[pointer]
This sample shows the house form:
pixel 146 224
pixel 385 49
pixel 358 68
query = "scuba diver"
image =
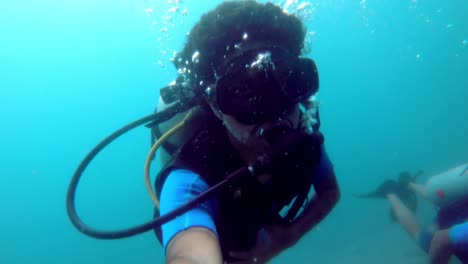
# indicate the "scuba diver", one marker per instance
pixel 448 191
pixel 244 59
pixel 240 143
pixel 398 187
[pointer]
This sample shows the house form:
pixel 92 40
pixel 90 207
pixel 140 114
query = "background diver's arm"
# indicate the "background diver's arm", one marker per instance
pixel 446 242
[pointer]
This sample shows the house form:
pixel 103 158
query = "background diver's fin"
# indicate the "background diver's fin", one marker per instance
pixel 405 177
pixel 388 186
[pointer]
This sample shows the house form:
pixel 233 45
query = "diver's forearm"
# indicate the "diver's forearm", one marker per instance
pixel 316 210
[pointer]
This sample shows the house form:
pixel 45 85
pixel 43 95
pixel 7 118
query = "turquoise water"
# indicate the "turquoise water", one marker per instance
pixel 393 97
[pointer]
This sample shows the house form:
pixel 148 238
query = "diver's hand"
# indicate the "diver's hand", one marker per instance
pixel 270 242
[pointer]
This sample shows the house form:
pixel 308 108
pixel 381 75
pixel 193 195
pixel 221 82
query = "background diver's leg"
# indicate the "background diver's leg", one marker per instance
pixel 436 244
pixel 419 190
pixel 440 249
pixel 405 217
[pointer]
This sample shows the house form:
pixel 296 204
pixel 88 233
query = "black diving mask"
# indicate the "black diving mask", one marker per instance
pixel 264 84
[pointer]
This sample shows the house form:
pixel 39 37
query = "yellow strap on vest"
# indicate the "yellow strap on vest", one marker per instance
pixel 158 143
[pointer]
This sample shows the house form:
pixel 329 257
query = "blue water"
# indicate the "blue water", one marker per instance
pixel 394 88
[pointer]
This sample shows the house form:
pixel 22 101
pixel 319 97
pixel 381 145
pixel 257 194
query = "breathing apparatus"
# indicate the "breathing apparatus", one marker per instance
pixel 254 87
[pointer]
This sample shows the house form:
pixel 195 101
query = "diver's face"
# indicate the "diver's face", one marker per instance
pixel 251 137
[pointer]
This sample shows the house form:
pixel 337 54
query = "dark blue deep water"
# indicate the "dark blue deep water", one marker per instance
pixel 394 94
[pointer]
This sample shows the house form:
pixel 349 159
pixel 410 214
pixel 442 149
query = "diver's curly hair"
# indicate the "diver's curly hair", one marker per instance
pixel 218 32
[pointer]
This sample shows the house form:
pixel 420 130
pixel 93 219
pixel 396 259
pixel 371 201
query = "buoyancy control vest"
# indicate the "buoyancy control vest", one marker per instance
pixel 246 207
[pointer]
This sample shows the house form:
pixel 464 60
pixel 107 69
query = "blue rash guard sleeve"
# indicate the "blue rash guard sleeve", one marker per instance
pixel 180 187
pixel 459 237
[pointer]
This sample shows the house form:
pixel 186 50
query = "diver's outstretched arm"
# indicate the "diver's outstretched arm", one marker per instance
pixel 196 245
pixel 404 216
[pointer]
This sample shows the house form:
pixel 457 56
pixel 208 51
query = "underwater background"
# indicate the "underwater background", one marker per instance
pixel 393 94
